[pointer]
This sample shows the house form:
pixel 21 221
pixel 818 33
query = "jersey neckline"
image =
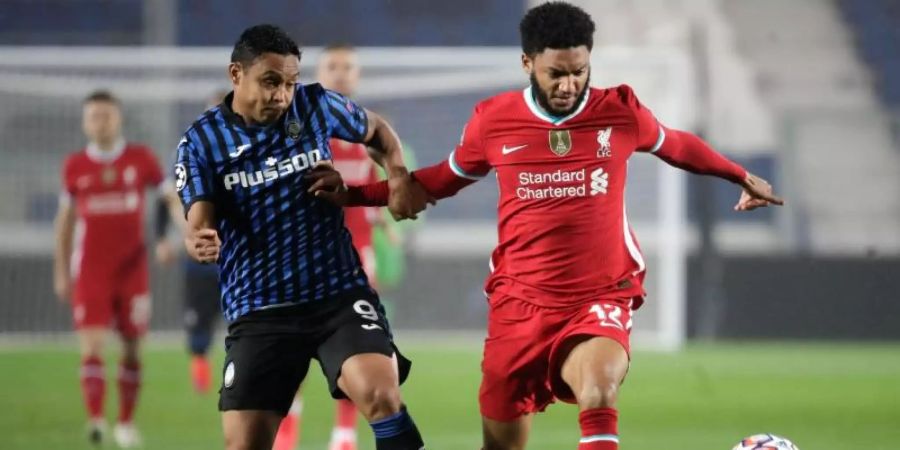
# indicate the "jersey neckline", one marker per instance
pixel 541 114
pixel 100 156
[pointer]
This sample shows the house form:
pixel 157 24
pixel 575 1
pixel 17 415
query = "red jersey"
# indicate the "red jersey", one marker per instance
pixel 107 189
pixel 355 166
pixel 563 233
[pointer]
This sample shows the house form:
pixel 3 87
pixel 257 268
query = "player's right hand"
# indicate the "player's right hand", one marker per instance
pixel 203 245
pixel 62 287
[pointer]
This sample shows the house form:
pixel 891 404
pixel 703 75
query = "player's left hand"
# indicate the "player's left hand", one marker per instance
pixel 757 193
pixel 326 182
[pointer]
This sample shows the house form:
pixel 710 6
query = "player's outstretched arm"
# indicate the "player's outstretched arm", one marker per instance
pixel 64 228
pixel 387 151
pixel 201 239
pixel 430 183
pixel 688 152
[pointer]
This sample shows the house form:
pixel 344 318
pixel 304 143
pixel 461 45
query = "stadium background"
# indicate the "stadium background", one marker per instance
pixel 782 321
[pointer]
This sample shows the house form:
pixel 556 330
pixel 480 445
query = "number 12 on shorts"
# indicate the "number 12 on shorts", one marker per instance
pixel 610 316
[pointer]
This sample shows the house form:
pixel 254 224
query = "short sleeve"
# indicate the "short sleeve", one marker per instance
pixel 153 175
pixel 68 183
pixel 346 120
pixel 469 159
pixel 192 175
pixel 650 134
pixel 68 177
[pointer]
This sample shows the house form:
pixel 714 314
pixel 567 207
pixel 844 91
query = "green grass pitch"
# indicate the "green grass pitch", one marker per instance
pixel 822 396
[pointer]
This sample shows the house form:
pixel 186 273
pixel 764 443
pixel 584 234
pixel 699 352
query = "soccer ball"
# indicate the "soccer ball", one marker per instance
pixel 765 442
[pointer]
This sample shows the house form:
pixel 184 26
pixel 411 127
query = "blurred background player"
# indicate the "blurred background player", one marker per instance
pixel 200 289
pixel 102 268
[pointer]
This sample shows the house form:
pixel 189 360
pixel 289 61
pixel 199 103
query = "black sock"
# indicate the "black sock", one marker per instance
pixel 397 432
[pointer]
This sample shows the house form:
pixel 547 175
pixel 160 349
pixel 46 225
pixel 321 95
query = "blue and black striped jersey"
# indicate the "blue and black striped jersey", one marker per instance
pixel 280 245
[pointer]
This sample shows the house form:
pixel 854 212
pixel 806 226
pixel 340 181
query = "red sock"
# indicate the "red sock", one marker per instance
pixel 129 385
pixel 599 429
pixel 289 431
pixel 345 414
pixel 93 385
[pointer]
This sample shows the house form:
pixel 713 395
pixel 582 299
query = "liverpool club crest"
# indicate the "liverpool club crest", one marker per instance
pixel 560 142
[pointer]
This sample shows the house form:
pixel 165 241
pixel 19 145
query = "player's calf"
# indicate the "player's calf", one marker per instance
pixel 593 369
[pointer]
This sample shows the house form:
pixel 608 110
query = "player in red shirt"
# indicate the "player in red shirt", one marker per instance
pixel 338 70
pixel 104 271
pixel 567 271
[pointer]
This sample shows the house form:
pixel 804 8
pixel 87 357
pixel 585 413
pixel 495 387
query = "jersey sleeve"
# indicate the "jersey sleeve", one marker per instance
pixel 345 119
pixel 68 182
pixel 192 175
pixel 469 159
pixel 650 133
pixel 153 174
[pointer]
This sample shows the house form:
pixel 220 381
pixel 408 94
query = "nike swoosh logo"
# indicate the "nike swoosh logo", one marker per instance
pixel 240 149
pixel 507 150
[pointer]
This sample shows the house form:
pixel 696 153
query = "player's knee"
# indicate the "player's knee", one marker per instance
pixel 599 394
pixel 381 402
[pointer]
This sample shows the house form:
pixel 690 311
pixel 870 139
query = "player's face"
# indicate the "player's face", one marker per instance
pixel 339 71
pixel 559 78
pixel 101 121
pixel 265 89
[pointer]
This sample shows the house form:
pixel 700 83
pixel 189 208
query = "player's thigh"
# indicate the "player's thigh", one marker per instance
pixel 263 372
pixel 93 302
pixel 515 361
pixel 506 435
pixel 250 429
pixel 358 351
pixel 372 382
pixel 133 309
pixel 133 306
pixel 591 356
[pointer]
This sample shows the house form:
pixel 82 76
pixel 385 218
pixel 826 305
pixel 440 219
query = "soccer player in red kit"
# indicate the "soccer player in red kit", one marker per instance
pixel 338 70
pixel 101 260
pixel 567 272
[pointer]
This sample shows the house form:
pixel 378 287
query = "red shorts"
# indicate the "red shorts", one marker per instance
pixel 523 351
pixel 123 300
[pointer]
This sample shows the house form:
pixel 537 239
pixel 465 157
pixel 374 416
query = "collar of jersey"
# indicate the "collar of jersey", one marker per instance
pixel 94 152
pixel 541 114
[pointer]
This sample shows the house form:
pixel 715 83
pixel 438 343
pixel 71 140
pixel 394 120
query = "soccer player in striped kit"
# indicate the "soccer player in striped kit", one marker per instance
pixel 293 287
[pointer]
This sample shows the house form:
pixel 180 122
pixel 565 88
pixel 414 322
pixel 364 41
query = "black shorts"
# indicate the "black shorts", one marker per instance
pixel 268 352
pixel 201 299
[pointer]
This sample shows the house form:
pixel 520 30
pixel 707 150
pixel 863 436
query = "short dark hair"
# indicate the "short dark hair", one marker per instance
pixel 555 25
pixel 102 95
pixel 259 39
pixel 338 46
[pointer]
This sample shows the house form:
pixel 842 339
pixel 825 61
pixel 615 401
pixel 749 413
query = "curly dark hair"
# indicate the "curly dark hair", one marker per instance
pixel 259 39
pixel 555 25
